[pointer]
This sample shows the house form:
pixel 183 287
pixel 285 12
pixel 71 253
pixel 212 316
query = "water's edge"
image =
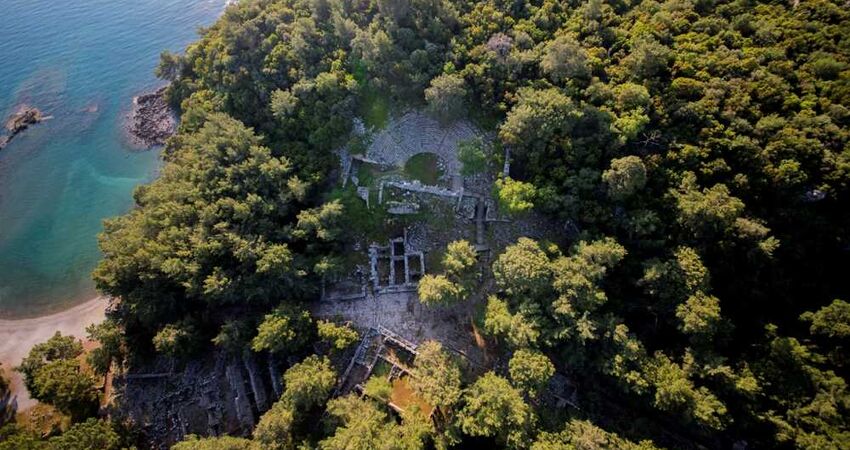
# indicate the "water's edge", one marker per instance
pixel 82 62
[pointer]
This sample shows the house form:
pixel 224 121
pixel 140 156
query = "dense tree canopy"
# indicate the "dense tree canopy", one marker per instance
pixel 221 226
pixel 694 157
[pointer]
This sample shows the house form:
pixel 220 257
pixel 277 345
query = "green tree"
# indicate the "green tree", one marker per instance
pixel 811 403
pixel 456 283
pixel 436 375
pixel 89 435
pixel 538 119
pixel 517 330
pixel 439 290
pixel 321 223
pixel 53 375
pixel 339 336
pixel 57 348
pixel 170 66
pixel 648 58
pixel 699 315
pixel 361 425
pixel 577 280
pixel 176 340
pixel 112 349
pixel 7 411
pixel 493 408
pixel 625 177
pixel 831 321
pixel 564 59
pixel 677 278
pixel 460 259
pixel 65 385
pixel 13 437
pixel 676 393
pixel 219 227
pixel 285 329
pixel 473 157
pixel 446 96
pixel 309 383
pixel 193 442
pixel 234 336
pixel 530 371
pixel 523 268
pixel 706 212
pixel 379 388
pixel 276 429
pixel 631 96
pixel 515 197
pixel 584 435
pixel 283 103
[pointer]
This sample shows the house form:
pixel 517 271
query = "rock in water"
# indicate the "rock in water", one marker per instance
pixel 20 121
pixel 151 121
pixel 23 119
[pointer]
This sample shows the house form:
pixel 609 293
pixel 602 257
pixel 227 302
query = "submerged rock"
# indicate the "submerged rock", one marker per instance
pixel 20 121
pixel 152 120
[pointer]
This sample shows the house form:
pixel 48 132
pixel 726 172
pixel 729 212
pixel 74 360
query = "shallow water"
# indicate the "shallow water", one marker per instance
pixel 79 61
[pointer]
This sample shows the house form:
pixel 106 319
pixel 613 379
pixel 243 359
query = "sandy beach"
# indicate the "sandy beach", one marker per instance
pixel 17 337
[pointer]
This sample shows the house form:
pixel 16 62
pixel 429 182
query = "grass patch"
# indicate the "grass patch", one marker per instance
pixel 381 369
pixel 367 173
pixel 434 261
pixel 374 109
pixel 404 398
pixel 371 225
pixel 473 156
pixel 360 220
pixel 359 145
pixel 423 167
pixel 379 388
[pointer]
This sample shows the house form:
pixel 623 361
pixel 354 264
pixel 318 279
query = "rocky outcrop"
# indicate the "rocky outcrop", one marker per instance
pixel 152 120
pixel 19 122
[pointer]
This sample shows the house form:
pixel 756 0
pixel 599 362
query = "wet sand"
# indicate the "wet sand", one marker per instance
pixel 17 337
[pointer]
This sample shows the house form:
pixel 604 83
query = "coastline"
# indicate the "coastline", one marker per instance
pixel 17 337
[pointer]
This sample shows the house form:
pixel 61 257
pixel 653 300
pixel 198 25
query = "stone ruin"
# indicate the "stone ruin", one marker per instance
pixel 395 355
pixel 219 395
pixel 378 344
pixel 395 267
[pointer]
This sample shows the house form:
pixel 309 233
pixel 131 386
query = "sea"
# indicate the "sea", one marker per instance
pixel 80 62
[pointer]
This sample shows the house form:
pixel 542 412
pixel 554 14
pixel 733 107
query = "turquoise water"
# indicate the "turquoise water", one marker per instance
pixel 79 61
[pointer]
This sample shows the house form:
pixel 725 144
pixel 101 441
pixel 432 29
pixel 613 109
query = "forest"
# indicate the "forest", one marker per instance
pixel 695 153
